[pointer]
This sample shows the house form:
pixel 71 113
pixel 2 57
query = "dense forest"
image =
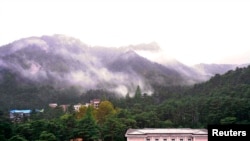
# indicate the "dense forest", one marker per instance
pixel 224 99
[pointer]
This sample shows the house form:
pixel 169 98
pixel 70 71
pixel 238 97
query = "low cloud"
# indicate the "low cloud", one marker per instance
pixel 152 47
pixel 66 62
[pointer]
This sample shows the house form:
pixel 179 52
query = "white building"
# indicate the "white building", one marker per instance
pixel 95 103
pixel 77 107
pixel 167 134
pixel 53 105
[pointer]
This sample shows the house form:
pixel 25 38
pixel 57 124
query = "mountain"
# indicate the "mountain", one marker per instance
pixel 229 83
pixel 213 69
pixel 62 61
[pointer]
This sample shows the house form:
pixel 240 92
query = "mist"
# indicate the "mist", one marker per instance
pixel 64 62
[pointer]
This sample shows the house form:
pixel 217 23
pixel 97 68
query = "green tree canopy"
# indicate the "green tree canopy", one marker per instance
pixel 87 127
pixel 138 93
pixel 105 109
pixel 17 138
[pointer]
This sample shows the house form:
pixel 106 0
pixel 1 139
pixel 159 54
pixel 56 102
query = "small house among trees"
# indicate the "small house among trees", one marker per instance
pixel 95 103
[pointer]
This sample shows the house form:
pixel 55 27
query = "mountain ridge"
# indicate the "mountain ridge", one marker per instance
pixel 66 61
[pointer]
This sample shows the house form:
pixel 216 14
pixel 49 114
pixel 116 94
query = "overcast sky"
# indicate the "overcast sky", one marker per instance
pixel 192 31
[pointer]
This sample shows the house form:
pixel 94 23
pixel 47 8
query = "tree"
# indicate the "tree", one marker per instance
pixel 82 111
pixel 46 136
pixel 67 125
pixel 167 123
pixel 87 127
pixel 52 113
pixel 113 129
pixel 228 120
pixel 138 93
pixel 105 109
pixel 25 130
pixel 17 138
pixel 5 128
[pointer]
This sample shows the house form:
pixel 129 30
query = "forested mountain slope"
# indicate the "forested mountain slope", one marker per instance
pixel 39 70
pixel 224 99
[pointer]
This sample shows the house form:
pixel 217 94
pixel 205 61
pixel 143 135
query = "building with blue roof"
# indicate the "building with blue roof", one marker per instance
pixel 19 115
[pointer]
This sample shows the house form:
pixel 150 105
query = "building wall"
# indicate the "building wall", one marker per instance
pixel 136 139
pixel 200 138
pixel 169 138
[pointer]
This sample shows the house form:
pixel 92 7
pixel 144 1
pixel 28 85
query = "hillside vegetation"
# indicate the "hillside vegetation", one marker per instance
pixel 224 99
pixel 135 92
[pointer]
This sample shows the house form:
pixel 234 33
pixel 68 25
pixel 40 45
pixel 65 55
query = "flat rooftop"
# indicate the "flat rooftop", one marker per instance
pixel 166 131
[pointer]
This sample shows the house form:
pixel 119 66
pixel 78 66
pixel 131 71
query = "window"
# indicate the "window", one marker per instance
pixel 156 139
pixel 164 139
pixel 181 139
pixel 173 139
pixel 189 140
pixel 148 140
